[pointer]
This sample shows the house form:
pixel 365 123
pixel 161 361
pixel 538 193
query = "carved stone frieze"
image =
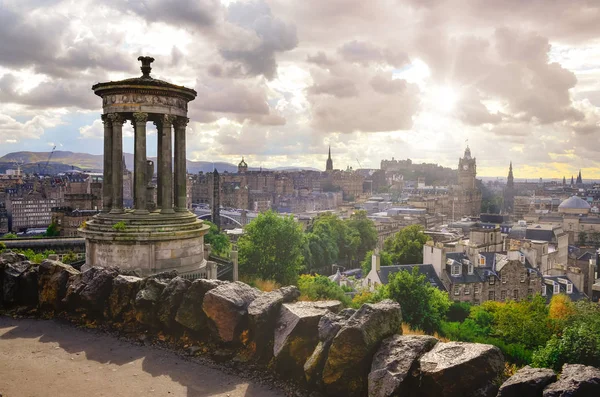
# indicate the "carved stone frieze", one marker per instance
pixel 144 99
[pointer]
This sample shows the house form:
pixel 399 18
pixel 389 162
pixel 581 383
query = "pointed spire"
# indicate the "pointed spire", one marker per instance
pixel 572 180
pixel 564 181
pixel 329 152
pixel 329 163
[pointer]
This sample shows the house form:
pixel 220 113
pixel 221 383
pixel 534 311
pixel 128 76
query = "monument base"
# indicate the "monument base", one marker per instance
pixel 149 243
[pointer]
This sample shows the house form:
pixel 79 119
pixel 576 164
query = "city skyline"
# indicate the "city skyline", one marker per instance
pixel 278 85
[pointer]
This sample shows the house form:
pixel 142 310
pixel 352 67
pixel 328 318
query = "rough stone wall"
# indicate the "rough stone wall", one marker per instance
pixel 324 349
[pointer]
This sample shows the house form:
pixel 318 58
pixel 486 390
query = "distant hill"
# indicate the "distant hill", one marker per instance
pixel 61 161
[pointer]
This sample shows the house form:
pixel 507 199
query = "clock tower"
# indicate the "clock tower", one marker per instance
pixel 467 170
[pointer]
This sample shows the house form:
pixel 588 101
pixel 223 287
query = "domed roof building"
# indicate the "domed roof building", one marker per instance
pixel 574 205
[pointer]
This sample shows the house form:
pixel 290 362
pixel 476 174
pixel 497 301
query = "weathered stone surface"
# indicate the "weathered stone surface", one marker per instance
pixel 171 299
pixel 296 335
pixel 146 301
pixel 329 326
pixel 456 369
pixel 121 302
pixel 394 363
pixel 10 280
pixel 28 287
pixel 349 359
pixel 91 289
pixel 347 313
pixel 190 313
pixel 227 309
pixel 53 278
pixel 527 382
pixel 575 380
pixel 262 315
pixel 11 257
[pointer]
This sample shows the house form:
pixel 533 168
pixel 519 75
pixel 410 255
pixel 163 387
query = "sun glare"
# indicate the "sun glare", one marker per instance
pixel 444 99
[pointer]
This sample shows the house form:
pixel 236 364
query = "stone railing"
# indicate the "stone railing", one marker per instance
pixel 317 345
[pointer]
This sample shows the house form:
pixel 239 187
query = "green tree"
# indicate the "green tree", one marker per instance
pixel 406 246
pixel 52 230
pixel 219 242
pixel 385 259
pixel 325 237
pixel 423 306
pixel 524 322
pixel 319 287
pixel 271 248
pixel 358 223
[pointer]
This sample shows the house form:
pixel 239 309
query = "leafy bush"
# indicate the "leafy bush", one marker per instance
pixel 458 311
pixel 314 288
pixel 10 235
pixel 365 296
pixel 119 226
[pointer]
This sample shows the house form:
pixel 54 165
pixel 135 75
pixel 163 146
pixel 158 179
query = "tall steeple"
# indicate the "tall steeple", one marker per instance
pixel 510 181
pixel 572 181
pixel 564 181
pixel 579 180
pixel 329 164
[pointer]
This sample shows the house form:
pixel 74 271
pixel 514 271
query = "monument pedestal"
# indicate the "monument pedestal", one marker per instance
pixel 150 243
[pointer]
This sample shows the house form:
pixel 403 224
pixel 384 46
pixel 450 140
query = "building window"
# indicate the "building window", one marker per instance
pixel 482 260
pixel 492 295
pixel 476 301
pixel 516 294
pixel 523 277
pixel 503 294
pixel 543 290
pixel 470 268
pixel 502 278
pixel 467 290
pixel 529 291
pixel 456 290
pixel 455 270
pixel 556 288
pixel 569 288
pixel 491 279
pixel 476 289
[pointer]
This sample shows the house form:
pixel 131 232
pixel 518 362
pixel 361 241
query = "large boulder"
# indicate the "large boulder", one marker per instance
pixel 575 380
pixel 226 307
pixel 297 335
pixel 528 382
pixel 147 300
pixel 170 299
pixel 349 359
pixel 190 313
pixel 329 326
pixel 121 301
pixel 394 365
pixel 19 284
pixel 53 278
pixel 262 315
pixel 10 281
pixel 458 369
pixel 90 290
pixel 11 257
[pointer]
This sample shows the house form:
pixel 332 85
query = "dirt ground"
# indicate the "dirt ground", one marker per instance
pixel 48 358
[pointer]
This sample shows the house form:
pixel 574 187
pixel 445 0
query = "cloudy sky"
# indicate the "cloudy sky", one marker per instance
pixel 280 80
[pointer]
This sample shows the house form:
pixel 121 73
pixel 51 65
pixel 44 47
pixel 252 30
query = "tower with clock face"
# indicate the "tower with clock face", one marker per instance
pixel 467 171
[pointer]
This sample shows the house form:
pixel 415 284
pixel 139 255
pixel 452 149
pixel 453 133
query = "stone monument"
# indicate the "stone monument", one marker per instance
pixel 151 237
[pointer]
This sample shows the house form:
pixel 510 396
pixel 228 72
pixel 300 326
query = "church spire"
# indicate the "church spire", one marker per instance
pixel 510 181
pixel 329 164
pixel 579 180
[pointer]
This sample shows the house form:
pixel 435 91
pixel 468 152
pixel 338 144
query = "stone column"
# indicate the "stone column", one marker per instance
pixel 107 171
pixel 117 162
pixel 180 192
pixel 166 168
pixel 140 165
pixel 159 150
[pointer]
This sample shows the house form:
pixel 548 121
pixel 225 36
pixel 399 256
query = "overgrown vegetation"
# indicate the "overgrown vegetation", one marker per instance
pixel 219 242
pixel 119 226
pixel 314 288
pixel 29 254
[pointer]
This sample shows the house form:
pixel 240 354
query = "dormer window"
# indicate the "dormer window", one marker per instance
pixel 502 278
pixel 569 288
pixel 543 290
pixel 482 260
pixel 470 269
pixel 455 270
pixel 556 289
pixel 491 280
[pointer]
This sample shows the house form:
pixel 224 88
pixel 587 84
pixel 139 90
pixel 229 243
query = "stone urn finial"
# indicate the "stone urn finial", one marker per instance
pixel 146 68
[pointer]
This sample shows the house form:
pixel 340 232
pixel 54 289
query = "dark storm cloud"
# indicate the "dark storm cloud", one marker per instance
pixel 189 13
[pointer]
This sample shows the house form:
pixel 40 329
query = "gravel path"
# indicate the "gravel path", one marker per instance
pixel 48 358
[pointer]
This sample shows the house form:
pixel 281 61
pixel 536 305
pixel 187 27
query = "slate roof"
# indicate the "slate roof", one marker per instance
pixel 427 270
pixel 538 232
pixel 575 295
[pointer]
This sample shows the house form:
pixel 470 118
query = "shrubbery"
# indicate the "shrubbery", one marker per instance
pixel 314 288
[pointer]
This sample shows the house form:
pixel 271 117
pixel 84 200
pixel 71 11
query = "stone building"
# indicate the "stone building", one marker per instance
pixel 3 218
pixel 31 211
pixel 466 195
pixel 492 276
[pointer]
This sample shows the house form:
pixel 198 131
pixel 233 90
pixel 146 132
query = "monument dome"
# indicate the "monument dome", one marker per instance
pixel 574 205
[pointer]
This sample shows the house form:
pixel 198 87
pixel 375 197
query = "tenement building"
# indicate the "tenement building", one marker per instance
pixel 153 236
